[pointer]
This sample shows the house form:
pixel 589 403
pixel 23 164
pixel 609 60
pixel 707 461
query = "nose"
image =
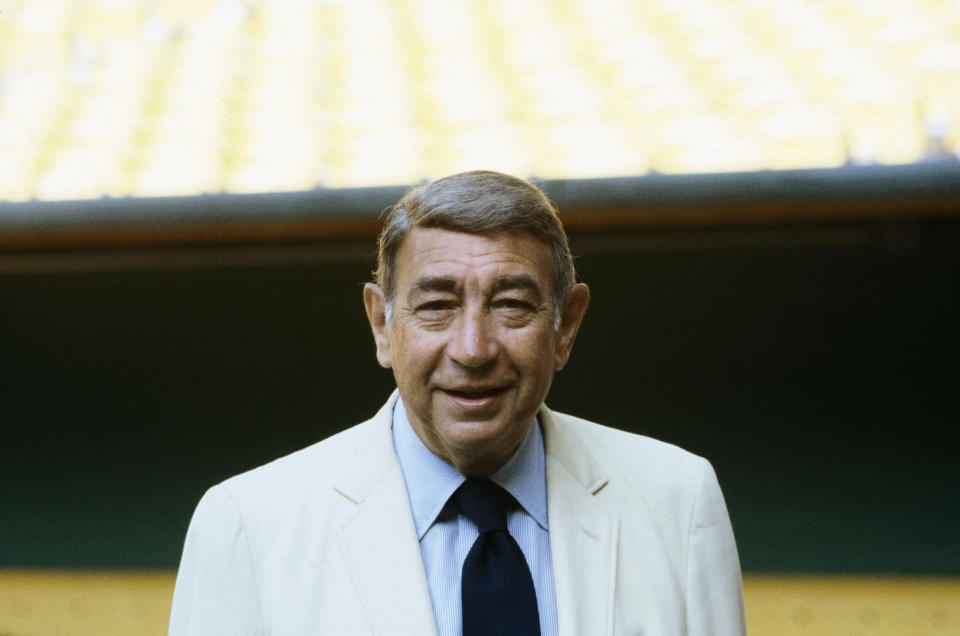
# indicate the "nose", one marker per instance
pixel 473 342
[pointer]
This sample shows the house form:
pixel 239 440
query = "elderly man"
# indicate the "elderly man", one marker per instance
pixel 465 505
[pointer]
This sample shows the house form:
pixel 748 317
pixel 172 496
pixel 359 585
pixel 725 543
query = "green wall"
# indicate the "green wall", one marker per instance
pixel 816 368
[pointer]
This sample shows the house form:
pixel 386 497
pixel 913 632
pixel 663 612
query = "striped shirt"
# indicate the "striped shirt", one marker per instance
pixel 446 536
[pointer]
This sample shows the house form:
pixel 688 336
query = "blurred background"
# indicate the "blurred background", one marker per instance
pixel 764 197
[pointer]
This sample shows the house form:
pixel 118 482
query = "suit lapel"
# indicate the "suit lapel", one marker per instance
pixel 379 541
pixel 583 534
pixel 382 554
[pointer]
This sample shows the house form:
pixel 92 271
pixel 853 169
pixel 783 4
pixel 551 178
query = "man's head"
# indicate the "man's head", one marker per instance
pixel 474 310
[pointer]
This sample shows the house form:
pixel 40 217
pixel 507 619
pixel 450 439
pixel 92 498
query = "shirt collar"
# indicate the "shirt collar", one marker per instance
pixel 431 481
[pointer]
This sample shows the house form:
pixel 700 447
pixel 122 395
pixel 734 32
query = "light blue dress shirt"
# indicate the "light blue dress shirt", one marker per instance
pixel 446 536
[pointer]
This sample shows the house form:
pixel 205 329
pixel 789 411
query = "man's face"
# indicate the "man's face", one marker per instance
pixel 472 342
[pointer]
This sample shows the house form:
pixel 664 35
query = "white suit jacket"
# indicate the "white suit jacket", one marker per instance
pixel 323 541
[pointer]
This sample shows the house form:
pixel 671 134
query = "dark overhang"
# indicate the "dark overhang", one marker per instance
pixel 653 201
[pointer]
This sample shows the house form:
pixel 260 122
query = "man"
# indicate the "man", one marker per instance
pixel 465 505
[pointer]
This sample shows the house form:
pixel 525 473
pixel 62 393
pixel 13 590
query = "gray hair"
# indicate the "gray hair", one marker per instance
pixel 476 202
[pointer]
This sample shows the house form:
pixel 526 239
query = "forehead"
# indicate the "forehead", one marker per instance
pixel 437 252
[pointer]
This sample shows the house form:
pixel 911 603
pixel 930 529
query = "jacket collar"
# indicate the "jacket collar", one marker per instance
pixel 583 533
pixel 379 540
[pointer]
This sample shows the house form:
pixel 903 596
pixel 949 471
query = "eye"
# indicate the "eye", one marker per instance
pixel 435 306
pixel 515 312
pixel 436 312
pixel 514 303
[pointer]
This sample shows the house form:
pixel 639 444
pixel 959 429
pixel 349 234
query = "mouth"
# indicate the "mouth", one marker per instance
pixel 474 396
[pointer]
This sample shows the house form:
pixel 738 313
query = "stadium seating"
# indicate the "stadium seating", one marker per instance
pixel 167 98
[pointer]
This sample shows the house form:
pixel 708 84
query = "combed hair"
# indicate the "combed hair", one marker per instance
pixel 477 202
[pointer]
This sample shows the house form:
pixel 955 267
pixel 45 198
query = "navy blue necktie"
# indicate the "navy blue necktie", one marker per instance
pixel 496 587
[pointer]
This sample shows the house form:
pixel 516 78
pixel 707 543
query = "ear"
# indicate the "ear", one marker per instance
pixel 571 315
pixel 376 305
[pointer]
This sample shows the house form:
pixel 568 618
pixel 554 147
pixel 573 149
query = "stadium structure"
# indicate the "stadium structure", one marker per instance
pixel 764 197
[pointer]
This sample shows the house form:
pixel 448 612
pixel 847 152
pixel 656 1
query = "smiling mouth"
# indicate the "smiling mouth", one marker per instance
pixel 475 395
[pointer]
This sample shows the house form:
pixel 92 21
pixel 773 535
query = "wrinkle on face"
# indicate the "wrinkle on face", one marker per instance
pixel 472 321
pixel 474 339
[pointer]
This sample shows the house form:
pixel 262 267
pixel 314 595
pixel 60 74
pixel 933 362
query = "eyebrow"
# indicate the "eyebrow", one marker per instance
pixel 434 284
pixel 519 281
pixel 443 284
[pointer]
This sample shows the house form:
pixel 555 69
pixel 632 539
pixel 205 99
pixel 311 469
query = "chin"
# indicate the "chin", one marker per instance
pixel 484 435
pixel 473 433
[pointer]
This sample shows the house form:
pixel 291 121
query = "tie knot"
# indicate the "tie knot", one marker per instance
pixel 484 503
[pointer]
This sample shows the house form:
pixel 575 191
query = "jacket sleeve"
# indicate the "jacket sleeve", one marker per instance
pixel 713 585
pixel 216 590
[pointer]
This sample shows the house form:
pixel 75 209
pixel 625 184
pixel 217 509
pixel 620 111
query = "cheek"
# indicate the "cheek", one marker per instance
pixel 535 352
pixel 415 356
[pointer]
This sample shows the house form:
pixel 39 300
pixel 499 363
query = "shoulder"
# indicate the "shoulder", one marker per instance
pixel 637 470
pixel 628 450
pixel 308 467
pixel 306 479
pixel 673 522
